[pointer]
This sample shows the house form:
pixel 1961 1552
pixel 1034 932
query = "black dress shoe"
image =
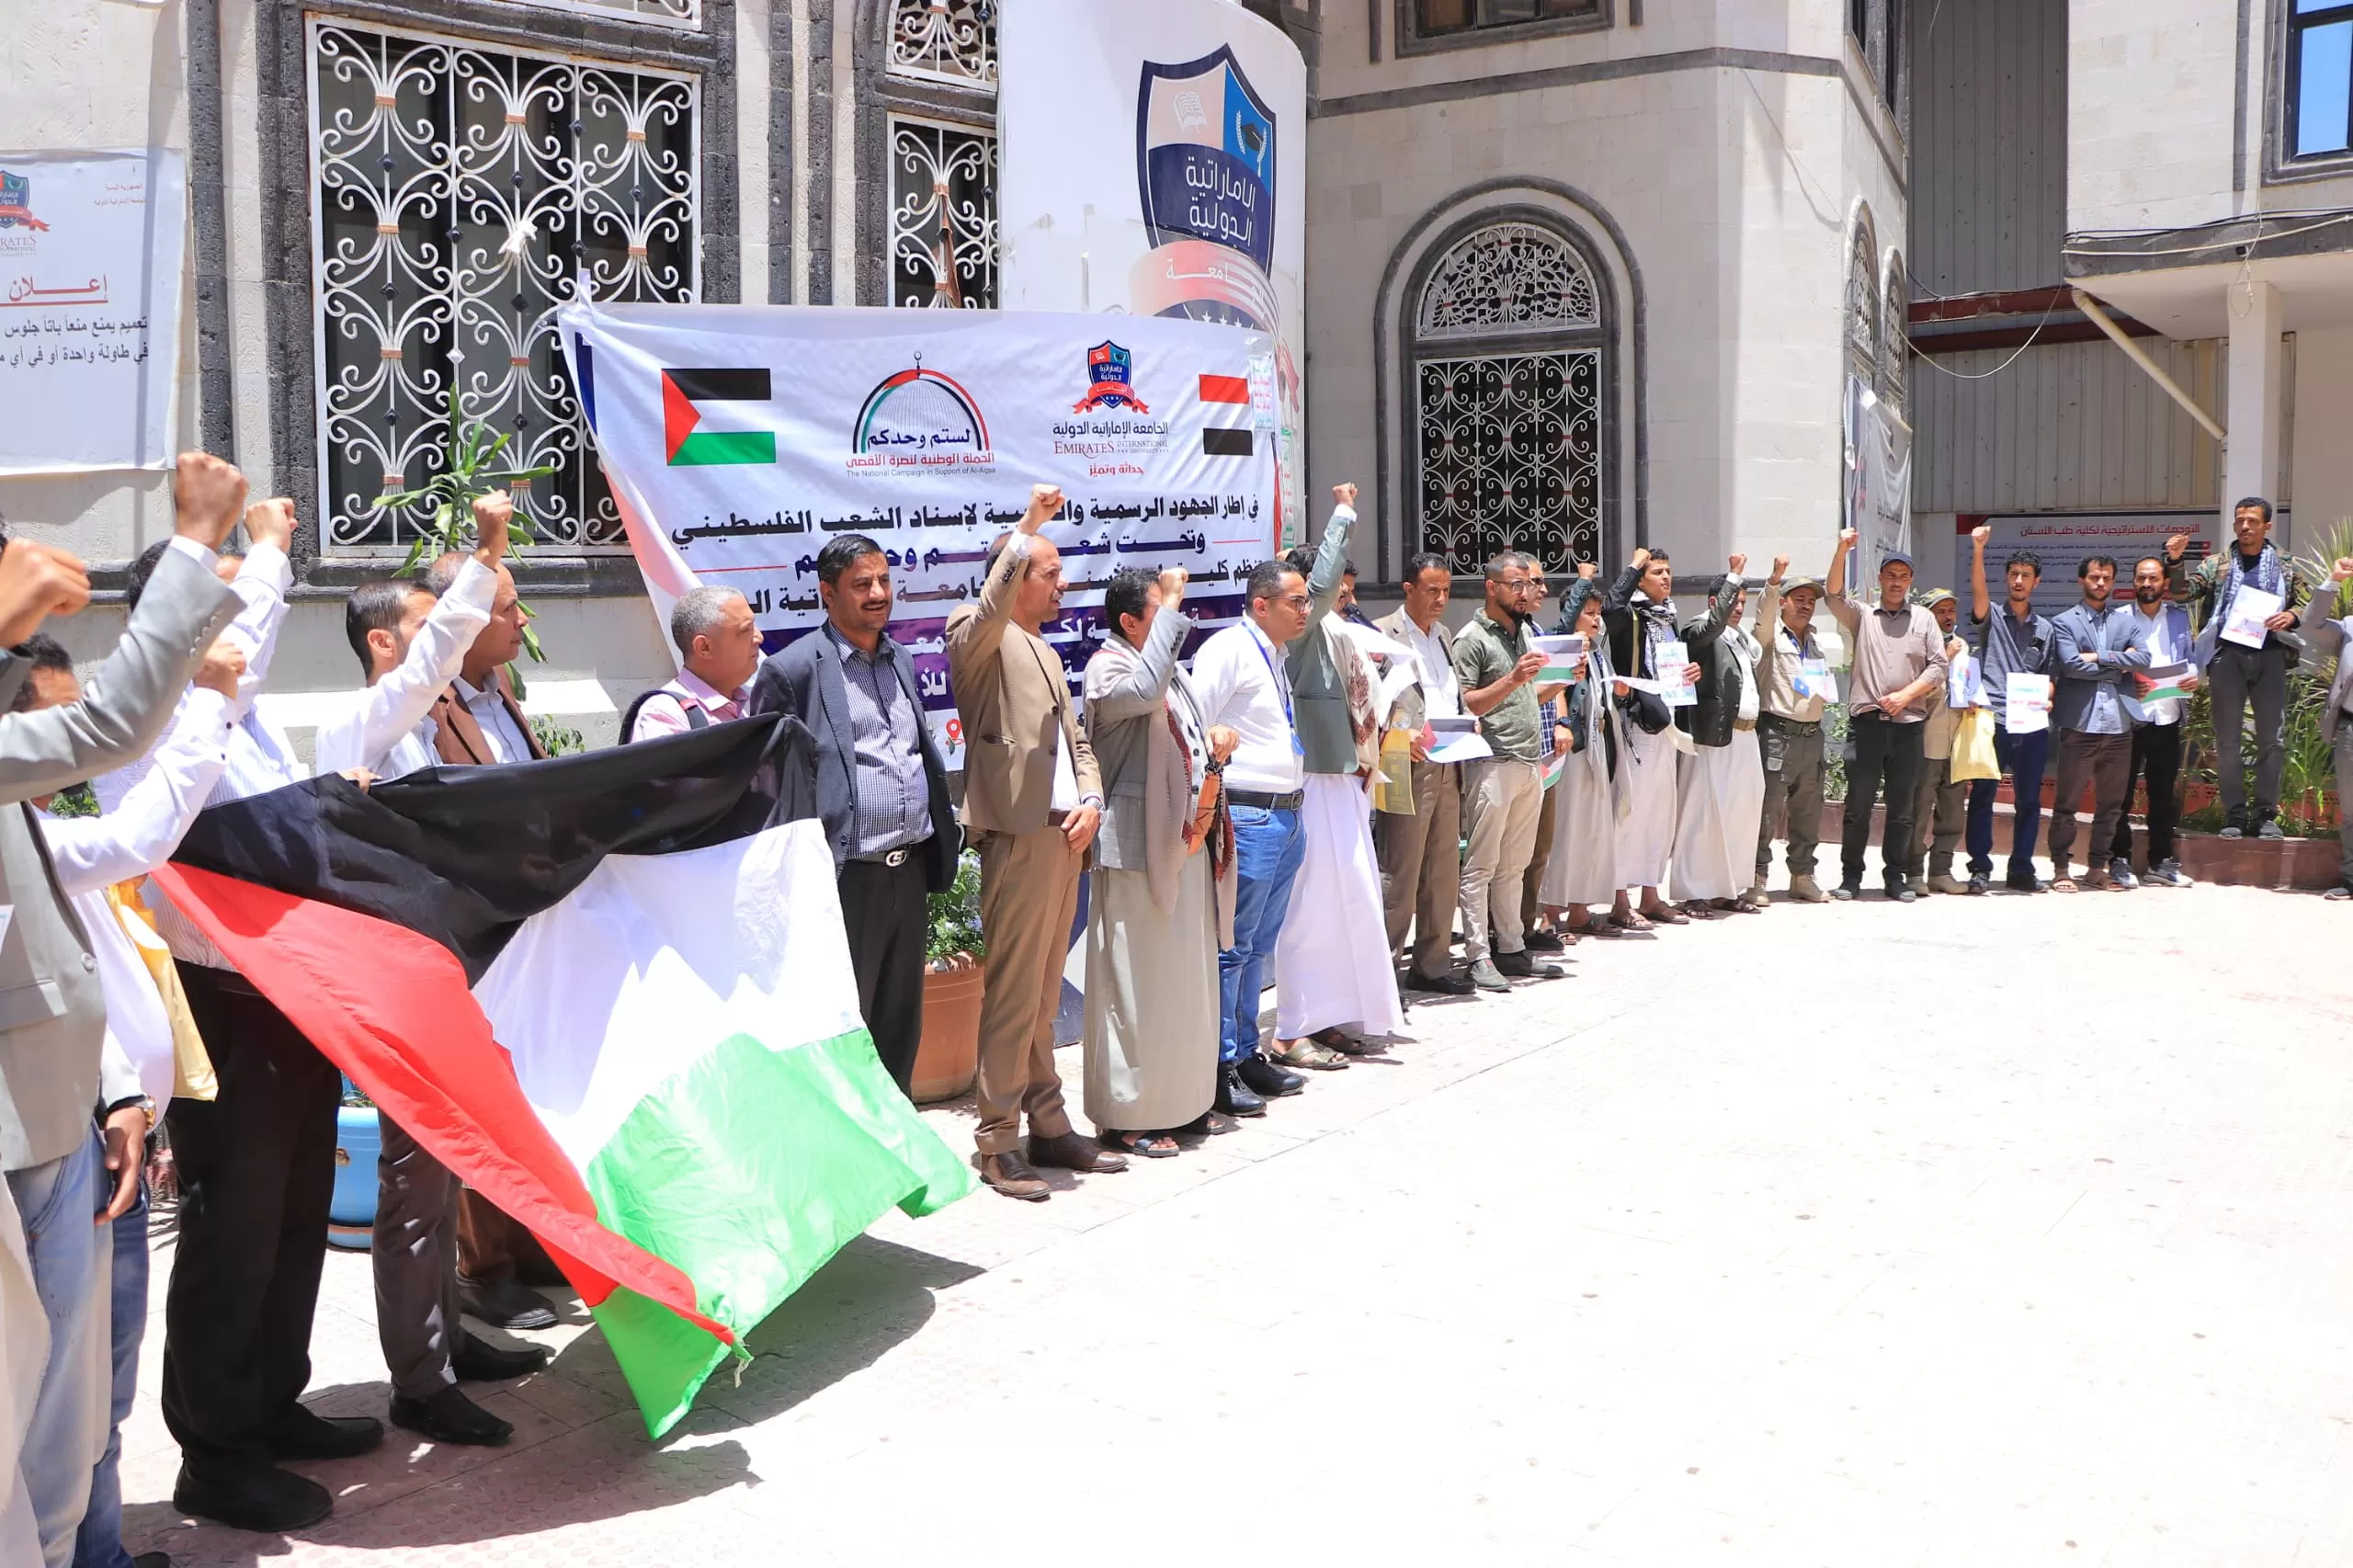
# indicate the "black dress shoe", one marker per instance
pixel 1235 1096
pixel 1543 941
pixel 449 1416
pixel 478 1360
pixel 1270 1081
pixel 1526 968
pixel 270 1502
pixel 1448 984
pixel 504 1302
pixel 1011 1175
pixel 1071 1152
pixel 303 1433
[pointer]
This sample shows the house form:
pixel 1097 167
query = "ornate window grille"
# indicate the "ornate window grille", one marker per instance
pixel 943 215
pixel 457 192
pixel 1895 329
pixel 1507 375
pixel 945 40
pixel 1863 298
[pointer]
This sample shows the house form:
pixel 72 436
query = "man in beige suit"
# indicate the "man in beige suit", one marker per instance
pixel 1421 854
pixel 1032 800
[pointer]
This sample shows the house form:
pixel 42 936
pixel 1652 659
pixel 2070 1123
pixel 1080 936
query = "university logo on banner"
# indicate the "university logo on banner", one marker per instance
pixel 688 395
pixel 15 202
pixel 1110 371
pixel 1205 169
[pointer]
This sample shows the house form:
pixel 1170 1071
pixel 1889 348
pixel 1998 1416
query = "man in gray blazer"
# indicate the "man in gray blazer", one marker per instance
pixel 1421 854
pixel 881 787
pixel 52 1015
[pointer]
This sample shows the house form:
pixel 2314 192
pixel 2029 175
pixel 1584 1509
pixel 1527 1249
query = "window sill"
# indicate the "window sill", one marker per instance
pixel 1411 41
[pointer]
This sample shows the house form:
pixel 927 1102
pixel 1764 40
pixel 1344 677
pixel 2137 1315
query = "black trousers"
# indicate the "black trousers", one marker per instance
pixel 256 1169
pixel 888 923
pixel 2157 755
pixel 1888 753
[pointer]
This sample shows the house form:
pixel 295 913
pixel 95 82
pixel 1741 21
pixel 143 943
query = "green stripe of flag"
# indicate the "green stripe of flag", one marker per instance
pixel 748 1169
pixel 712 448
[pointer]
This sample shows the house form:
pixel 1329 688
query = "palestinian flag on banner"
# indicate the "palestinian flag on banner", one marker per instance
pixel 612 993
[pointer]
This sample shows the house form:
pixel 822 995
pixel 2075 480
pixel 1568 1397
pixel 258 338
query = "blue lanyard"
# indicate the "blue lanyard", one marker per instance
pixel 1282 689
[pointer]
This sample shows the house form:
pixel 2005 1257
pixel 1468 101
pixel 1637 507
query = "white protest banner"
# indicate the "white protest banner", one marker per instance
pixel 1154 159
pixel 2063 539
pixel 91 246
pixel 739 439
pixel 1877 501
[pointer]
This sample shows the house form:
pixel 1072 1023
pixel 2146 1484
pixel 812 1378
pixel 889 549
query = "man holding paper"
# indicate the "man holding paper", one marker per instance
pixel 1497 660
pixel 1639 610
pixel 2326 634
pixel 2014 655
pixel 1421 854
pixel 1796 687
pixel 1899 662
pixel 1938 804
pixel 2095 647
pixel 2251 597
pixel 2156 699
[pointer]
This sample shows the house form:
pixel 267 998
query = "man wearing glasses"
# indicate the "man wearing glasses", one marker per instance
pixel 1496 662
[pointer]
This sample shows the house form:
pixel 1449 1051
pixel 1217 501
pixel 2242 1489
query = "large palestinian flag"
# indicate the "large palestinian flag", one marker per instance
pixel 612 993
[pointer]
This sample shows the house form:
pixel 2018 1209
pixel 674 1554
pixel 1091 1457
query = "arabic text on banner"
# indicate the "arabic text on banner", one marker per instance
pixel 740 440
pixel 90 257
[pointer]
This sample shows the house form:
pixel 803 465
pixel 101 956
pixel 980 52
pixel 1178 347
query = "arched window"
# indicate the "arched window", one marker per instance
pixel 1863 298
pixel 1895 329
pixel 1508 333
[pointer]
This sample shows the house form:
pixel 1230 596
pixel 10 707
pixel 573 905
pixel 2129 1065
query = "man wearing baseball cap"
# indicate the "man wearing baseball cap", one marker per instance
pixel 1899 662
pixel 1793 687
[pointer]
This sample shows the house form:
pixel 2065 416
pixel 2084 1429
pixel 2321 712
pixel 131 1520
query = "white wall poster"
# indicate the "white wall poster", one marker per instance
pixel 91 252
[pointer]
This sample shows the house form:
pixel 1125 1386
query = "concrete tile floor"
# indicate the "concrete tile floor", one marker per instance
pixel 1975 1232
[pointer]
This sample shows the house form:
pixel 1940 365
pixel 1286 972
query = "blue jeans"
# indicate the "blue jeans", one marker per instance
pixel 2023 757
pixel 1267 847
pixel 57 1201
pixel 99 1545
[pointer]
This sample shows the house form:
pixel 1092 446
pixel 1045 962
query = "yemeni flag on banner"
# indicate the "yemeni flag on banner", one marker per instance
pixel 612 993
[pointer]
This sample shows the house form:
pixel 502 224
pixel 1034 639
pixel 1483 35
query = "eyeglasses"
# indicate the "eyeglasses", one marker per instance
pixel 1297 601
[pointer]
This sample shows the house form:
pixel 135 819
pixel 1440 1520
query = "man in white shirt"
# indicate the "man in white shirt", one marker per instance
pixel 1240 678
pixel 137 1065
pixel 1421 854
pixel 2156 730
pixel 413 646
pixel 719 652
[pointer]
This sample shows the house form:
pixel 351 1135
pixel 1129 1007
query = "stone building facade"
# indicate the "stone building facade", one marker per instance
pixel 1578 277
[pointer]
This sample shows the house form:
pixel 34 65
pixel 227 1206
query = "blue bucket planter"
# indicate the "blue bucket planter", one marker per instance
pixel 351 1214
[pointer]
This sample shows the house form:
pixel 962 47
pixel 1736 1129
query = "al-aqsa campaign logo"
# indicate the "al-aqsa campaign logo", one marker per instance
pixel 920 418
pixel 1110 376
pixel 16 203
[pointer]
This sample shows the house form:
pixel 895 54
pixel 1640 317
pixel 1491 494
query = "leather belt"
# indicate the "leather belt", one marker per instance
pixel 1266 802
pixel 1781 722
pixel 1744 724
pixel 890 858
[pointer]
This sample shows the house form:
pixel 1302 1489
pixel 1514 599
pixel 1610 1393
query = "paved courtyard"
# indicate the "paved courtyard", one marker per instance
pixel 1981 1233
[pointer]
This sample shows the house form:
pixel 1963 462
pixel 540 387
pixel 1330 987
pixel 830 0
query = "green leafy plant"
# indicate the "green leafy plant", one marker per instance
pixel 560 738
pixel 73 800
pixel 955 915
pixel 472 452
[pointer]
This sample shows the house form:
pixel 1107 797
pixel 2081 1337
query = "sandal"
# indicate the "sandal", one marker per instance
pixel 2064 885
pixel 1631 921
pixel 1210 1124
pixel 1607 929
pixel 1147 1146
pixel 1339 1040
pixel 1663 916
pixel 1306 1053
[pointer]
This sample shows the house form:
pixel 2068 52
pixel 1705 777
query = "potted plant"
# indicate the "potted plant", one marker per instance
pixel 351 1214
pixel 950 1052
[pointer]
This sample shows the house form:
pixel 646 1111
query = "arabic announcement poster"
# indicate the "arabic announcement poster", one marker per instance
pixel 91 248
pixel 2063 539
pixel 1154 158
pixel 739 439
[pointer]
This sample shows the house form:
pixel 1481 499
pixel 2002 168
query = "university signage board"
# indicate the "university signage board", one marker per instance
pixel 1153 158
pixel 91 251
pixel 739 439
